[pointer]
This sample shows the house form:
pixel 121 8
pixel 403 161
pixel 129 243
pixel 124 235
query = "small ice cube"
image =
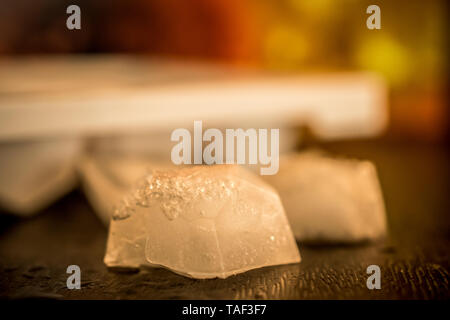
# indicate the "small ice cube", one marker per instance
pixel 329 199
pixel 33 174
pixel 201 222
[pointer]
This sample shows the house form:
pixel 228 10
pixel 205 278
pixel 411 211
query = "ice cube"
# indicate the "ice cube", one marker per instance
pixel 106 178
pixel 33 174
pixel 201 222
pixel 329 199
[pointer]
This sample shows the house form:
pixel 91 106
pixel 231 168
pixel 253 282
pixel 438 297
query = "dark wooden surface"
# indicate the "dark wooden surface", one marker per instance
pixel 414 260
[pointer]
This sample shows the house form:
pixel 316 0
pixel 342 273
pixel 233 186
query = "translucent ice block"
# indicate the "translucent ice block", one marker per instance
pixel 106 179
pixel 201 222
pixel 33 174
pixel 329 199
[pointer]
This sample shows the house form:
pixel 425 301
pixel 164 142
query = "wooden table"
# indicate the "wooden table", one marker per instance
pixel 414 260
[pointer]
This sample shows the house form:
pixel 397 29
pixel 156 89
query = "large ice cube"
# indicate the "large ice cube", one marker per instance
pixel 201 222
pixel 329 199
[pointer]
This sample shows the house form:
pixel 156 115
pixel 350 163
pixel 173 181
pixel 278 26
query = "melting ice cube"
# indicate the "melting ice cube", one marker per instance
pixel 33 174
pixel 201 222
pixel 106 179
pixel 330 200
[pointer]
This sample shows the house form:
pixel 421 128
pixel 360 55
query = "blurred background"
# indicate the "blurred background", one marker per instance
pixel 323 38
pixel 410 51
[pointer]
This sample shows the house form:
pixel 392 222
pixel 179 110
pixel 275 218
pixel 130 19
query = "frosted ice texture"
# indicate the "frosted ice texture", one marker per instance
pixel 330 199
pixel 201 222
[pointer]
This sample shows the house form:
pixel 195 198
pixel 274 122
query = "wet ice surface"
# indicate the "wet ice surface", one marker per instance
pixel 330 199
pixel 106 179
pixel 201 222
